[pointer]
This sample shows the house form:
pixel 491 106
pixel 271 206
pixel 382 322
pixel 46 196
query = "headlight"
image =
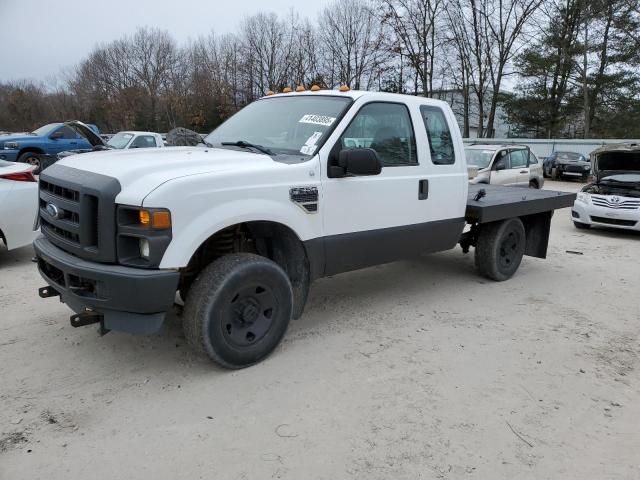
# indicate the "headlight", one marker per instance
pixel 11 146
pixel 583 197
pixel 143 235
pixel 587 167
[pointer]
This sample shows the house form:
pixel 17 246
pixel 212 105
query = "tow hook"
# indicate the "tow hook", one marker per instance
pixel 88 317
pixel 46 292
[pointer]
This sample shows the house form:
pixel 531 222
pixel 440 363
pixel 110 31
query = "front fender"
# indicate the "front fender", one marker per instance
pixel 191 232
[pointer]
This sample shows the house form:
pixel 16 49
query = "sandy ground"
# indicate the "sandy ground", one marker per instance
pixel 414 370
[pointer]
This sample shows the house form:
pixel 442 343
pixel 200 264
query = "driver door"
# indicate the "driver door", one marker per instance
pixel 375 219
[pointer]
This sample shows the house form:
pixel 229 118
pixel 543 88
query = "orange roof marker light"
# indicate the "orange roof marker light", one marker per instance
pixel 344 88
pixel 315 88
pixel 300 88
pixel 286 90
pixel 269 93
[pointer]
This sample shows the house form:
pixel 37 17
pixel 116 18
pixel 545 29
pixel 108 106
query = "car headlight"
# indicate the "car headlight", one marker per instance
pixel 583 197
pixel 144 235
pixel 11 146
pixel 587 167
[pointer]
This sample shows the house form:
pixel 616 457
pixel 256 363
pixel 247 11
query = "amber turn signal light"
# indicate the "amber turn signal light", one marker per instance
pixel 158 220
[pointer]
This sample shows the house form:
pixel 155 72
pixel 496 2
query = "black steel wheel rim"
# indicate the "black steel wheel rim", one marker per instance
pixel 509 249
pixel 249 315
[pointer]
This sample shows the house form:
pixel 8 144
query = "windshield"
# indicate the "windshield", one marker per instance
pixel 569 156
pixel 284 125
pixel 46 129
pixel 479 158
pixel 120 140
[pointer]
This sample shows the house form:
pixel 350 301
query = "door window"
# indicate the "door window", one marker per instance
pixel 143 141
pixel 518 159
pixel 68 132
pixel 387 129
pixel 440 141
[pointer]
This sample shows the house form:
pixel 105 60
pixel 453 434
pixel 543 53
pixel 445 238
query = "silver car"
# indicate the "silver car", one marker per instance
pixel 511 165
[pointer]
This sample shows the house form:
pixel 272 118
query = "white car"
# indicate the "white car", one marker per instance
pixel 18 204
pixel 510 165
pixel 135 139
pixel 613 199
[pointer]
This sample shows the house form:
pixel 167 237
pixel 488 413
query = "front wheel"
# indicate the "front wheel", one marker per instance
pixel 500 248
pixel 32 159
pixel 238 309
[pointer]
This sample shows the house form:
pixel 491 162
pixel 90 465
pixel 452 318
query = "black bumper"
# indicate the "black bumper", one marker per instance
pixel 127 299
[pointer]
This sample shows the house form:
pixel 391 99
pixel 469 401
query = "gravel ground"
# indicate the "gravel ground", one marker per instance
pixel 413 370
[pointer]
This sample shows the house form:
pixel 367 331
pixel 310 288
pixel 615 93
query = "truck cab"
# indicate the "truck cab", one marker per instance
pixel 292 188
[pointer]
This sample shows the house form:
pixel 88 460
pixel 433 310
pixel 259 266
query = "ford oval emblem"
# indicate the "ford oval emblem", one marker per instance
pixel 53 210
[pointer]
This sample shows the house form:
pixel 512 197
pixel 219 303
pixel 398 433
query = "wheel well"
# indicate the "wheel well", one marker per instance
pixel 30 149
pixel 269 239
pixel 534 181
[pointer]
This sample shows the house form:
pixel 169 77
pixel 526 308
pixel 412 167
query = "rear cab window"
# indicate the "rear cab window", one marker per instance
pixel 439 135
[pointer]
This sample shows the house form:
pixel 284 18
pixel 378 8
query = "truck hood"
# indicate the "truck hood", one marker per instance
pixel 615 160
pixel 143 170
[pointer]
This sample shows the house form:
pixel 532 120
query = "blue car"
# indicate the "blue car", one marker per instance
pixel 50 139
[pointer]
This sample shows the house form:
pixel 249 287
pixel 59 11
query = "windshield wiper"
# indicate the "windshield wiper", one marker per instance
pixel 243 144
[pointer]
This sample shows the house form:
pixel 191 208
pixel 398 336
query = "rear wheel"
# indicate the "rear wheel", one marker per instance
pixel 500 248
pixel 581 226
pixel 31 158
pixel 238 309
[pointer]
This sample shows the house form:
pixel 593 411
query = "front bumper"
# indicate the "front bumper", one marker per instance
pixel 9 155
pixel 128 299
pixel 590 214
pixel 573 170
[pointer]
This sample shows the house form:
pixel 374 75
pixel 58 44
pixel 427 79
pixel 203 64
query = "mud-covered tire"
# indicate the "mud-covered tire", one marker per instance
pixel 581 226
pixel 31 158
pixel 500 248
pixel 238 309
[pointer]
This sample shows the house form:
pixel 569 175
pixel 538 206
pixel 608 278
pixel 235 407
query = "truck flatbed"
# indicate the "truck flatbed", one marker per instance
pixel 500 203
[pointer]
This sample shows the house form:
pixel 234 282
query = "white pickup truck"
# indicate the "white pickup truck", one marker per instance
pixel 292 188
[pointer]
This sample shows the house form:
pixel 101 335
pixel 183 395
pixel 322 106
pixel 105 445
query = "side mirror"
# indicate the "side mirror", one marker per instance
pixel 500 165
pixel 358 162
pixel 56 135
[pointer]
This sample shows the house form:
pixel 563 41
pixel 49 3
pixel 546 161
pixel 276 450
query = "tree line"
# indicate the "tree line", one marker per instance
pixel 548 68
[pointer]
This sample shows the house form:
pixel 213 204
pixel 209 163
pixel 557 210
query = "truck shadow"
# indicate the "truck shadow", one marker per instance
pixel 16 257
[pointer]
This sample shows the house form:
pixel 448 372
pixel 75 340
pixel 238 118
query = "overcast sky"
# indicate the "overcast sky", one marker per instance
pixel 40 38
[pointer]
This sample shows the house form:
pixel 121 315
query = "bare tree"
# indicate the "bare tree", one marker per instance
pixel 351 37
pixel 415 26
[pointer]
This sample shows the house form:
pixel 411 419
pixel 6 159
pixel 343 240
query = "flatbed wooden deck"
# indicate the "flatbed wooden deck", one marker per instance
pixel 500 203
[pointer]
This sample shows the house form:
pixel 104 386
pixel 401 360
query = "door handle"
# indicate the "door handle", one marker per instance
pixel 524 171
pixel 423 189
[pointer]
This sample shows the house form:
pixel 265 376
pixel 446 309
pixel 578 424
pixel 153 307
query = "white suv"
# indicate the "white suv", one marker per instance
pixel 510 165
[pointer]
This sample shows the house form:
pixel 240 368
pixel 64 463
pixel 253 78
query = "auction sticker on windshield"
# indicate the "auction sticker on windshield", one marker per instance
pixel 318 120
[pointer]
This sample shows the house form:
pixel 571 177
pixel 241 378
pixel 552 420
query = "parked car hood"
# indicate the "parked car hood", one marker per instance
pixel 82 129
pixel 616 159
pixel 141 171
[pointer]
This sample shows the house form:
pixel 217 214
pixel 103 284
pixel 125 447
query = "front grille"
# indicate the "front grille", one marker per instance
pixel 616 203
pixel 60 192
pixel 77 212
pixel 614 221
pixel 574 169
